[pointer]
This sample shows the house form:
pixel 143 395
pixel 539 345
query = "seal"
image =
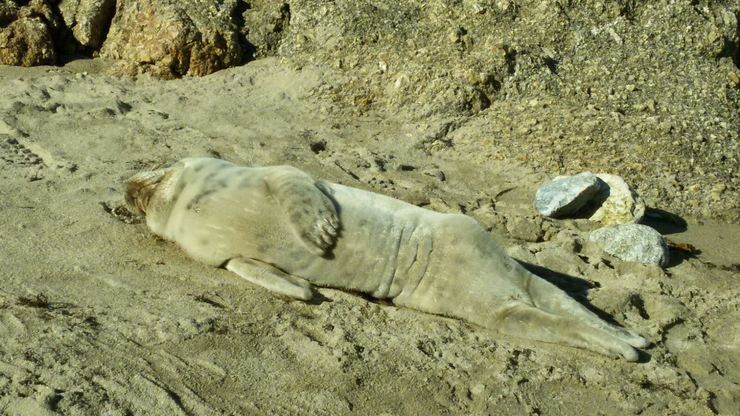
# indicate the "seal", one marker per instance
pixel 281 229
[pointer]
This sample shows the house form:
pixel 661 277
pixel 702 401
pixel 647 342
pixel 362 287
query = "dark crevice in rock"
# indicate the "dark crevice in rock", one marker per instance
pixel 628 9
pixel 248 50
pixel 67 48
pixel 731 47
pixel 107 19
pixel 510 58
pixel 552 64
pixel 7 14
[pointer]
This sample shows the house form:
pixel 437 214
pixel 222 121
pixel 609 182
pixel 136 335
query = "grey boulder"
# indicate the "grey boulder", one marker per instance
pixel 632 242
pixel 566 195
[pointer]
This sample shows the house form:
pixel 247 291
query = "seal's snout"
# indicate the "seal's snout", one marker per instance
pixel 141 187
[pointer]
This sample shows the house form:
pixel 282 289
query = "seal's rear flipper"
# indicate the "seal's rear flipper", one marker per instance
pixel 550 298
pixel 527 321
pixel 270 277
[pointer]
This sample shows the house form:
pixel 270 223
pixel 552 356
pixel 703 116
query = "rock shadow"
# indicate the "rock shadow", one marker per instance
pixel 667 223
pixel 664 222
pixel 678 254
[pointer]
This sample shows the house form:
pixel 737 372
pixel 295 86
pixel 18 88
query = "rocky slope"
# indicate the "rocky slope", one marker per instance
pixel 646 90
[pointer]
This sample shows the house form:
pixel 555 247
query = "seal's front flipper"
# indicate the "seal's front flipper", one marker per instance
pixel 270 277
pixel 307 206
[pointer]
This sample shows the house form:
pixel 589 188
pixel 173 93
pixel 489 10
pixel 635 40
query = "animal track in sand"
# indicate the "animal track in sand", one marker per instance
pixel 15 153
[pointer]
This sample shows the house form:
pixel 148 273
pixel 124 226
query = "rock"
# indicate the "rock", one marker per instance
pixel 632 242
pixel 617 203
pixel 169 38
pixel 8 12
pixel 566 195
pixel 26 42
pixel 559 260
pixel 521 254
pixel 88 20
pixel 27 34
pixel 265 24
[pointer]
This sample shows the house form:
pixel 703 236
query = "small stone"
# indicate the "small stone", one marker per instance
pixel 632 242
pixel 436 173
pixel 564 196
pixel 619 204
pixel 477 389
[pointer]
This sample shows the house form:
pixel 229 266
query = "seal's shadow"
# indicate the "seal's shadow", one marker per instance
pixel 318 298
pixel 575 287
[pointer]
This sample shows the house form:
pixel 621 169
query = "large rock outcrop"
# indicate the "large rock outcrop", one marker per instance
pixel 88 20
pixel 169 39
pixel 27 32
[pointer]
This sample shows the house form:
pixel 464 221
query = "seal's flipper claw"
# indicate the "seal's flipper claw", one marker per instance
pixel 270 277
pixel 308 207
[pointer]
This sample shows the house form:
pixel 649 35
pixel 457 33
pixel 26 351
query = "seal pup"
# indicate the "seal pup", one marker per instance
pixel 281 229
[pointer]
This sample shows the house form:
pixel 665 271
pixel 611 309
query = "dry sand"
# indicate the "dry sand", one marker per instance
pixel 97 316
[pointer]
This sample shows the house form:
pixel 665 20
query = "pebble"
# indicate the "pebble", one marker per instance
pixel 566 195
pixel 632 242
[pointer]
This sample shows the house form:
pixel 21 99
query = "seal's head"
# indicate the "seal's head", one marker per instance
pixel 141 187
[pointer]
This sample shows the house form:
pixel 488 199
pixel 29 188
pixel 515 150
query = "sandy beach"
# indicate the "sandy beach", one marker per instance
pixel 100 317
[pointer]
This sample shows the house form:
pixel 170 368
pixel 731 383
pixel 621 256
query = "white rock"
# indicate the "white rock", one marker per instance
pixel 621 204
